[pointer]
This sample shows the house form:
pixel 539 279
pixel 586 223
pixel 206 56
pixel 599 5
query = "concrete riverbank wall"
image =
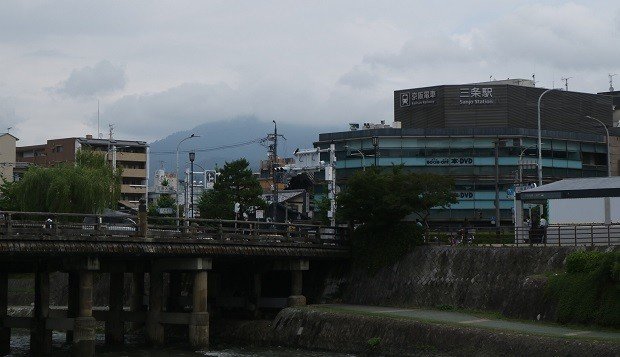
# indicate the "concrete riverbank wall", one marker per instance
pixel 509 280
pixel 311 328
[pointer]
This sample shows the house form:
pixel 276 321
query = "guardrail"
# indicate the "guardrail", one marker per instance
pixel 553 235
pixel 14 224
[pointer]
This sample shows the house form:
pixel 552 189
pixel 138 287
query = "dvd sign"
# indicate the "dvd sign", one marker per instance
pixel 450 161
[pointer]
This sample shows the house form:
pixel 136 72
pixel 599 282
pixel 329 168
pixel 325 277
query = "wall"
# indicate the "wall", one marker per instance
pixel 309 328
pixel 7 156
pixel 509 280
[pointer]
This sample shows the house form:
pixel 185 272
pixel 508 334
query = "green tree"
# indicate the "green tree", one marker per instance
pixel 235 184
pixel 163 201
pixel 88 186
pixel 377 201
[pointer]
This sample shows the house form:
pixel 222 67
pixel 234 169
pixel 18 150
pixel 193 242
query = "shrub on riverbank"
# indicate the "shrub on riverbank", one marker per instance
pixel 589 290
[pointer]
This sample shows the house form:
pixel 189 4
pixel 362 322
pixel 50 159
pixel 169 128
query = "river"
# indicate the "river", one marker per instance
pixel 20 341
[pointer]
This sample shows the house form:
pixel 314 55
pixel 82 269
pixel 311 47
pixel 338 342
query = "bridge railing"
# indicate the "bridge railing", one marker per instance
pixel 249 230
pixel 14 223
pixel 553 235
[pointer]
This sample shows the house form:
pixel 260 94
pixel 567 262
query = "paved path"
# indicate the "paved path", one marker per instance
pixel 459 318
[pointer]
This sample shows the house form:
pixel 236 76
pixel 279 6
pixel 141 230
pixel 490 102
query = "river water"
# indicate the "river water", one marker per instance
pixel 20 341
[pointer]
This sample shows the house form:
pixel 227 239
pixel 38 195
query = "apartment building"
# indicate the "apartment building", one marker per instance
pixel 130 155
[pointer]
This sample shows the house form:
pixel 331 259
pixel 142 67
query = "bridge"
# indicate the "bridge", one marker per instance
pixel 213 259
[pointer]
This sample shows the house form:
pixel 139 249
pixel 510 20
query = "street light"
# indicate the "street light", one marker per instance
pixel 608 152
pixel 177 190
pixel 358 153
pixel 192 157
pixel 521 163
pixel 540 179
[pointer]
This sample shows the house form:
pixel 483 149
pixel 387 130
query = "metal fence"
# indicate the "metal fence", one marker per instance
pixel 553 235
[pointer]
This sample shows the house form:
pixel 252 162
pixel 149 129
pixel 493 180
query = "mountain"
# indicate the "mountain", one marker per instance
pixel 228 140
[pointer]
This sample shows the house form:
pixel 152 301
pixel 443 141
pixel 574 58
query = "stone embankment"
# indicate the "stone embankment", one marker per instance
pixel 310 328
pixel 508 280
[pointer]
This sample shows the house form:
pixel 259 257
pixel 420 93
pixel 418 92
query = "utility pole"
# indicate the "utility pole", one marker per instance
pixel 332 183
pixel 273 161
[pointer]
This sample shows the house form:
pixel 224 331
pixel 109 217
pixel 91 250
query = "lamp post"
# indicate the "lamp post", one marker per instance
pixel 608 152
pixel 521 163
pixel 192 157
pixel 177 190
pixel 358 153
pixel 375 143
pixel 540 179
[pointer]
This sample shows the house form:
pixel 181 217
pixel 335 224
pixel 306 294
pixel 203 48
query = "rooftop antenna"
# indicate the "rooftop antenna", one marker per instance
pixel 611 81
pixel 98 131
pixel 565 79
pixel 8 130
pixel 534 79
pixel 111 126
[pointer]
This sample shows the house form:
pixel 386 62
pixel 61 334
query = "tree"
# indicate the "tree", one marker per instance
pixel 379 200
pixel 434 191
pixel 163 201
pixel 88 186
pixel 235 184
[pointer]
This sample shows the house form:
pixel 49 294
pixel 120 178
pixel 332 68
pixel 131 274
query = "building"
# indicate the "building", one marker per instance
pixel 7 156
pixel 482 134
pixel 132 156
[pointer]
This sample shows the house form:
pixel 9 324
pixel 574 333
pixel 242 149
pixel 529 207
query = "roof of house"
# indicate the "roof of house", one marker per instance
pixel 575 188
pixel 15 137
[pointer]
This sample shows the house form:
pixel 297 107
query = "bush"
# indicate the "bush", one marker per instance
pixel 373 342
pixel 374 247
pixel 589 290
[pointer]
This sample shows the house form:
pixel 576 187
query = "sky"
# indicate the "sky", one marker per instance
pixel 158 67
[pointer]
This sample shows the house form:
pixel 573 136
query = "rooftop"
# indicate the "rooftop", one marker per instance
pixel 575 188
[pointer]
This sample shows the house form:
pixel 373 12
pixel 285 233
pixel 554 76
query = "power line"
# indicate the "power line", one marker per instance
pixel 221 147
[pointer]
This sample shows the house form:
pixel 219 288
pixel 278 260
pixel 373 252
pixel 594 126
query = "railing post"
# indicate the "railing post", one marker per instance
pixel 575 235
pixel 220 229
pixel 591 235
pixel 559 237
pixel 142 218
pixel 609 234
pixel 98 225
pixel 9 225
pixel 56 225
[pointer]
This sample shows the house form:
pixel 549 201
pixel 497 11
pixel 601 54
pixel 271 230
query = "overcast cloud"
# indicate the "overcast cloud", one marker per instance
pixel 158 67
pixel 102 78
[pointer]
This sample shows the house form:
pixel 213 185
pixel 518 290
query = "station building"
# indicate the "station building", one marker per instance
pixel 478 134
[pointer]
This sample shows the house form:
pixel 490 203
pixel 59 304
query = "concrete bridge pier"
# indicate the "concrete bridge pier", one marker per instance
pixel 154 327
pixel 114 326
pixel 136 303
pixel 256 285
pixel 297 267
pixel 84 323
pixel 199 321
pixel 40 336
pixel 5 332
pixel 72 300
